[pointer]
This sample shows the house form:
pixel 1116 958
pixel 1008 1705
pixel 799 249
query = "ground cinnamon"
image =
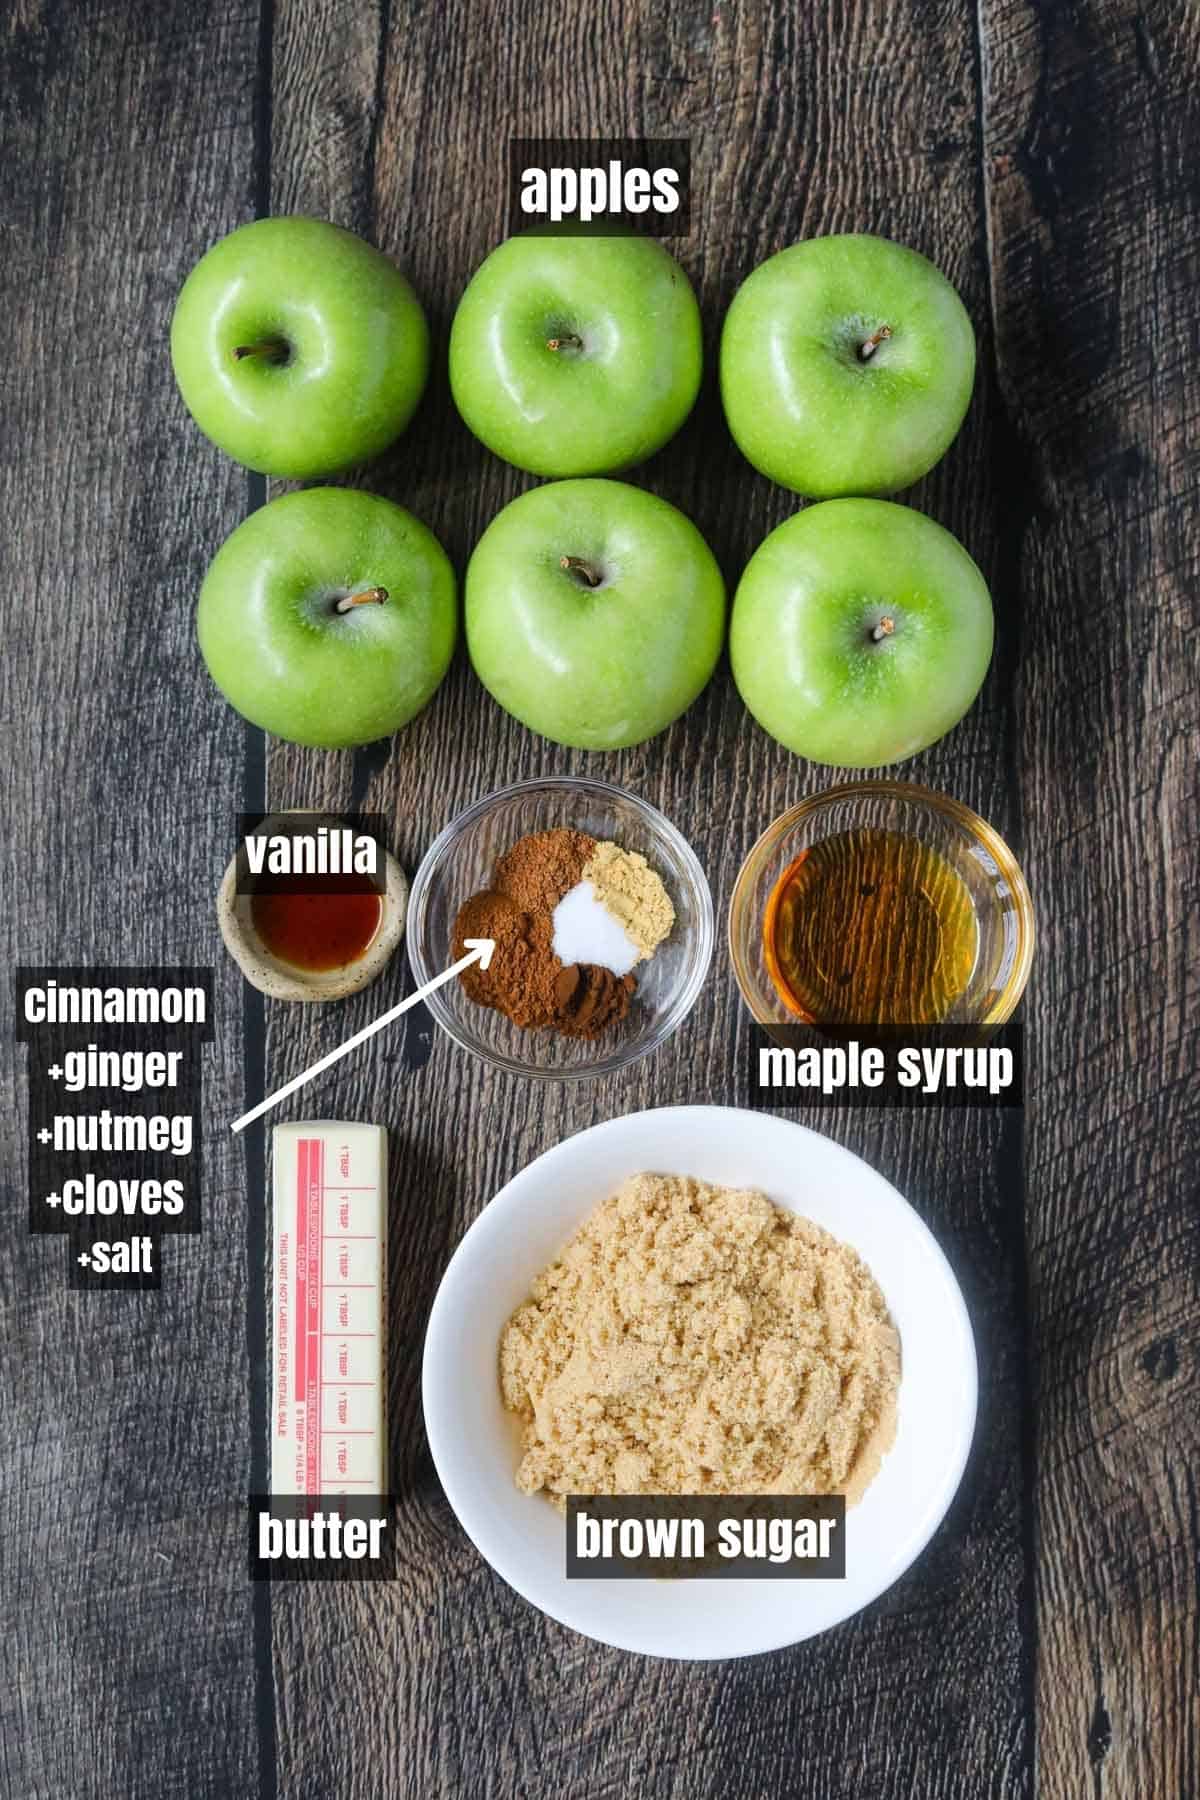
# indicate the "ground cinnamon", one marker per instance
pixel 525 980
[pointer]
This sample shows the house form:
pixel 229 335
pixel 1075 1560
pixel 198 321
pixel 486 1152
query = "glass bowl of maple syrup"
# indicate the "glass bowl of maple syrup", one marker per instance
pixel 881 903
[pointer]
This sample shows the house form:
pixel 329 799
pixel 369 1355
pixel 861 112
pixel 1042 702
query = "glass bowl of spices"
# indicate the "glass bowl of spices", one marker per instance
pixel 601 916
pixel 881 903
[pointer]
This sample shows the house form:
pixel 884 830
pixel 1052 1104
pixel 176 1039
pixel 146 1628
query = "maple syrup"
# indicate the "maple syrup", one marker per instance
pixel 870 927
pixel 317 931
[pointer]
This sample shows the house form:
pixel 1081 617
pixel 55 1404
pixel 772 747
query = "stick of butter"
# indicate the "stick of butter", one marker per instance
pixel 329 1310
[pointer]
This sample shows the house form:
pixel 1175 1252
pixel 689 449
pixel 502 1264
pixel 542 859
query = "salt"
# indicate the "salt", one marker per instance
pixel 586 932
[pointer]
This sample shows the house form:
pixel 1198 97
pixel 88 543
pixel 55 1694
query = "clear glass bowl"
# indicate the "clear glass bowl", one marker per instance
pixel 460 863
pixel 978 855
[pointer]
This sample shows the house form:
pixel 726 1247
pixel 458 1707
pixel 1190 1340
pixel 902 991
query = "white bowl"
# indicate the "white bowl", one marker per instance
pixel 475 1442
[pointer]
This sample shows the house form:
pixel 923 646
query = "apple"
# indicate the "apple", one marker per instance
pixel 576 355
pixel 861 633
pixel 595 613
pixel 298 348
pixel 846 366
pixel 328 617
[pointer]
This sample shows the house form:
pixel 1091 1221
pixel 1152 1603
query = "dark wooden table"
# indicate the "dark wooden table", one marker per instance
pixel 1045 155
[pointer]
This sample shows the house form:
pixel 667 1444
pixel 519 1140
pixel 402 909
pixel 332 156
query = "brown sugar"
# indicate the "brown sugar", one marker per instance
pixel 697 1339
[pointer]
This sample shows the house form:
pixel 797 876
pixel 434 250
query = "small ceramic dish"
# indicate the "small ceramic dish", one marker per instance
pixel 476 1443
pixel 282 980
pixel 978 855
pixel 460 862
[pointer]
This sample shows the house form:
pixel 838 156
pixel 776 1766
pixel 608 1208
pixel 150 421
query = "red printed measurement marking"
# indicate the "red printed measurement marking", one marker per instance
pixel 310 1192
pixel 298 1379
pixel 321 1354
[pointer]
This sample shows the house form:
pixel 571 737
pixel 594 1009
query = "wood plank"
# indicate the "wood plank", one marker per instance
pixel 1092 135
pixel 126 146
pixel 803 121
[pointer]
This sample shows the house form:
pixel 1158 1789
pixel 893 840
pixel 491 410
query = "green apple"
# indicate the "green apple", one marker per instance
pixel 298 348
pixel 846 366
pixel 576 355
pixel 595 613
pixel 328 617
pixel 861 633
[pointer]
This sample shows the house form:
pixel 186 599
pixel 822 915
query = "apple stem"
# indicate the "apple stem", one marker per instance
pixel 568 341
pixel 575 565
pixel 270 349
pixel 867 350
pixel 366 597
pixel 884 629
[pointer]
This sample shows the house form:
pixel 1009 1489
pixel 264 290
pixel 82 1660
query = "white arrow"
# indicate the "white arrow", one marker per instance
pixel 479 950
